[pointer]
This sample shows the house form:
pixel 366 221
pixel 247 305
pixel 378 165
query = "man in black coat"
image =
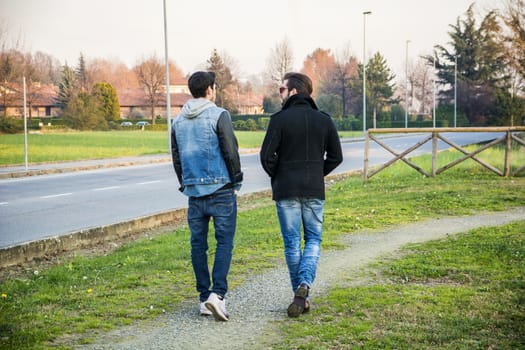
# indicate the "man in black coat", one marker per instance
pixel 300 148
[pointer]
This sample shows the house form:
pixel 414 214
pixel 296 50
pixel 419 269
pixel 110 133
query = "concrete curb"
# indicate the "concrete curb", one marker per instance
pixel 87 238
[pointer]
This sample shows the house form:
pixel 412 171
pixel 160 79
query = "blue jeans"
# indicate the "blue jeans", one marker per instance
pixel 293 212
pixel 222 207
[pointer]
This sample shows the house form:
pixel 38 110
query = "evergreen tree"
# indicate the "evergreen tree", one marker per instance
pixel 480 66
pixel 223 80
pixel 106 95
pixel 81 74
pixel 83 112
pixel 66 87
pixel 379 89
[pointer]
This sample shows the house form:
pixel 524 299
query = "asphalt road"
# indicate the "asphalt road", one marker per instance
pixel 34 208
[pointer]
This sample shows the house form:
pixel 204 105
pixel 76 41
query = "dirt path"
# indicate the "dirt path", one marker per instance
pixel 257 304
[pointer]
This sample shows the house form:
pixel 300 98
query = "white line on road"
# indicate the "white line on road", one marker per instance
pixel 148 182
pixel 4 203
pixel 57 195
pixel 106 188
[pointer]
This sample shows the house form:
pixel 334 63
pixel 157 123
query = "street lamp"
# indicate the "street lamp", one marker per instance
pixel 434 95
pixel 166 61
pixel 364 70
pixel 406 92
pixel 455 88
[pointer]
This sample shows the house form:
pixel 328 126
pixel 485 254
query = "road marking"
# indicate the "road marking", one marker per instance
pixel 57 195
pixel 106 188
pixel 4 203
pixel 148 182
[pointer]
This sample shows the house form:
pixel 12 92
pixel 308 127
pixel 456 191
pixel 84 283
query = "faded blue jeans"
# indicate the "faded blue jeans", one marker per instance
pixel 222 206
pixel 293 212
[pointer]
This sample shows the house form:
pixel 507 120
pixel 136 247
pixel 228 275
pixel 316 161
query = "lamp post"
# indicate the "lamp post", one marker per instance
pixel 168 97
pixel 364 70
pixel 434 94
pixel 406 92
pixel 455 88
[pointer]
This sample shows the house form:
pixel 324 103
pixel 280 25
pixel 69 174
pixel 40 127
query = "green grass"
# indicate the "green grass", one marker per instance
pixel 56 147
pixel 464 292
pixel 78 295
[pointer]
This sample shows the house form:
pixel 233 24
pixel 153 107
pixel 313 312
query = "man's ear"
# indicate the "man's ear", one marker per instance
pixel 209 91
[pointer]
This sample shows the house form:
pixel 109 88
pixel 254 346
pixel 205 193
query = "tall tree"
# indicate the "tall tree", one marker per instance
pixel 334 85
pixel 66 87
pixel 514 41
pixel 480 66
pixel 11 68
pixel 224 80
pixel 81 74
pixel 150 74
pixel 318 65
pixel 380 87
pixel 113 72
pixel 278 63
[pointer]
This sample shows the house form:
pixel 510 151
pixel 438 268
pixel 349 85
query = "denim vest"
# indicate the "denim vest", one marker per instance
pixel 201 158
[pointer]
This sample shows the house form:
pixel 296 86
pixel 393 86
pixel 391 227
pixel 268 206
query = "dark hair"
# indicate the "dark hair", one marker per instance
pixel 300 82
pixel 199 82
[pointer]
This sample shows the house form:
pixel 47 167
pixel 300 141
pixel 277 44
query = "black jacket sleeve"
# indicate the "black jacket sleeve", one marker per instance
pixel 270 147
pixel 229 147
pixel 175 157
pixel 334 154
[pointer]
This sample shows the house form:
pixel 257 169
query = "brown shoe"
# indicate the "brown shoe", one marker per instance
pixel 306 307
pixel 297 307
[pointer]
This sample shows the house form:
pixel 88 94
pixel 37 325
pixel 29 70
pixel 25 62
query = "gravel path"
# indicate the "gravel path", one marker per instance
pixel 257 304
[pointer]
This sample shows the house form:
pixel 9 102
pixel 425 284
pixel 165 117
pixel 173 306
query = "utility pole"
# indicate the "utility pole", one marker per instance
pixel 168 96
pixel 364 70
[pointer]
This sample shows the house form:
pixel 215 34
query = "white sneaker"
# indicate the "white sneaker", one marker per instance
pixel 203 310
pixel 217 305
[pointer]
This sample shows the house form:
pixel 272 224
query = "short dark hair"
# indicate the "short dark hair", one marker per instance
pixel 199 82
pixel 300 82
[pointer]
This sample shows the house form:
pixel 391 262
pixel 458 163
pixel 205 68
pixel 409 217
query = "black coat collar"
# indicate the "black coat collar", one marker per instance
pixel 300 99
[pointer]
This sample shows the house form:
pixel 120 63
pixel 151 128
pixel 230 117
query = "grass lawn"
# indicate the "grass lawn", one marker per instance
pixel 56 147
pixel 464 292
pixel 77 295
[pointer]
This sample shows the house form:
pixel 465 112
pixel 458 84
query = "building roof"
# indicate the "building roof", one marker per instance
pixel 137 97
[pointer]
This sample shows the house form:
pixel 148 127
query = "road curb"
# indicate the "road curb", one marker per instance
pixel 30 251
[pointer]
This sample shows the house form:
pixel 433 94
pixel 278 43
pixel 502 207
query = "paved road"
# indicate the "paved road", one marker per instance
pixel 37 207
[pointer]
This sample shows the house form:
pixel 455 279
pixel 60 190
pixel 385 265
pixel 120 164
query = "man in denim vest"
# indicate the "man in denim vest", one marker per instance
pixel 300 148
pixel 206 160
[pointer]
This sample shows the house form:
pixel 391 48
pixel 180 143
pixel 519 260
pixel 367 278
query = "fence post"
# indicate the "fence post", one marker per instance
pixel 508 143
pixel 434 152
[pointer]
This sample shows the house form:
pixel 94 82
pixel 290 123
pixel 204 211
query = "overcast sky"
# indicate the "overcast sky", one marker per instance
pixel 246 30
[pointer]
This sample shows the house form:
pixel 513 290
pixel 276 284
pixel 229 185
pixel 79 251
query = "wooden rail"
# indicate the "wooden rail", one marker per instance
pixel 434 136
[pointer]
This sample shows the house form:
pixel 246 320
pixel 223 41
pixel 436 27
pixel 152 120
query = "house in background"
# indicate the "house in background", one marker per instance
pixel 40 101
pixel 134 103
pixel 250 103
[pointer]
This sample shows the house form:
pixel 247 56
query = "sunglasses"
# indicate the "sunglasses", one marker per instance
pixel 282 89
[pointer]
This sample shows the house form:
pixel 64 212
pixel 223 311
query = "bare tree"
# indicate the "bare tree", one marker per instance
pixel 279 63
pixel 150 74
pixel 112 71
pixel 337 80
pixel 419 87
pixel 319 65
pixel 514 17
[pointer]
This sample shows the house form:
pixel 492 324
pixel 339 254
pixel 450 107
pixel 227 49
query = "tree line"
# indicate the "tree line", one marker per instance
pixel 480 72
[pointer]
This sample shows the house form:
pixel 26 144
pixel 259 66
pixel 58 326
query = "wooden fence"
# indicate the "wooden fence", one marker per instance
pixel 435 134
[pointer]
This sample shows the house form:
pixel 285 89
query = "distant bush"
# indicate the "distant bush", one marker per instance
pixel 11 125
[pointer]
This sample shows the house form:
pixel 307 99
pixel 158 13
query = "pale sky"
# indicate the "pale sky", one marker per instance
pixel 246 30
